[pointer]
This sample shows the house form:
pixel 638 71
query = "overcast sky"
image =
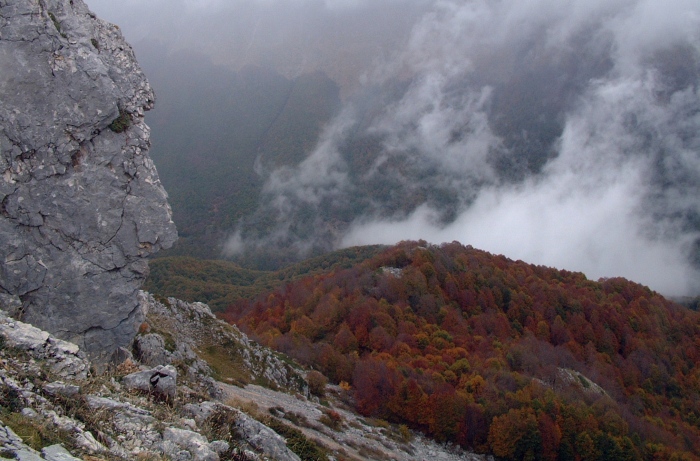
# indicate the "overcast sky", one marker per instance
pixel 626 167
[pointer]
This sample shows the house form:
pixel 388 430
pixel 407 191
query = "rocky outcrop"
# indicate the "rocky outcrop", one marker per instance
pixel 81 204
pixel 150 350
pixel 194 445
pixel 12 445
pixel 259 436
pixel 64 359
pixel 192 327
pixel 102 417
pixel 121 416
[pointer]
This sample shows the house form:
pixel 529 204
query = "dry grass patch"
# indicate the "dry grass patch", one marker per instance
pixel 227 366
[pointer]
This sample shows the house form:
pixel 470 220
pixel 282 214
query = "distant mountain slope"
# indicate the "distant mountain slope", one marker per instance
pixel 213 126
pixel 221 283
pixel 522 361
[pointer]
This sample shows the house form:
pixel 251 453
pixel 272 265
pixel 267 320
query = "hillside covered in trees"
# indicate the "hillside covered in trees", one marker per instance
pixel 508 358
pixel 220 283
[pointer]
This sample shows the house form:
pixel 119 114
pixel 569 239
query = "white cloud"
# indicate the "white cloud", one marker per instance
pixel 589 210
pixel 556 222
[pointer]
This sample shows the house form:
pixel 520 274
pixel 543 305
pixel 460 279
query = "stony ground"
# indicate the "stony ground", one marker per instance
pixel 352 436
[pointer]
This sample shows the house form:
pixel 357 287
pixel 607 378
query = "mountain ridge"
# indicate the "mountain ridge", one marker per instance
pixel 219 283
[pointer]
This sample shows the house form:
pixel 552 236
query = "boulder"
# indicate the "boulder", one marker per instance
pixel 264 439
pixel 57 453
pixel 219 446
pixel 150 350
pixel 258 435
pixel 176 440
pixel 103 403
pixel 160 381
pixel 61 389
pixel 201 411
pixel 121 355
pixel 63 358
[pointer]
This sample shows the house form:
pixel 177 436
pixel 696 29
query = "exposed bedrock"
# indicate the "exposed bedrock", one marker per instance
pixel 81 204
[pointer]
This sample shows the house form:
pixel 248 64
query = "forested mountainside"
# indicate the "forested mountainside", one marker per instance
pixel 508 358
pixel 221 283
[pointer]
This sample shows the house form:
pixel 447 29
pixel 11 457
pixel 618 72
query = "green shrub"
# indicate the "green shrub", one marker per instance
pixel 10 400
pixel 584 382
pixel 405 433
pixel 34 433
pixel 56 24
pixel 220 425
pixel 332 419
pixel 121 123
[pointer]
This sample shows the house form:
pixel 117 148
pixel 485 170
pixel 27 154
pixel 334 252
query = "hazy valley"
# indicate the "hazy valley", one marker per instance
pixel 567 138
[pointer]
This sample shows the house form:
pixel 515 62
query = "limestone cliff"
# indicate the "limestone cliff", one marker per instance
pixel 81 204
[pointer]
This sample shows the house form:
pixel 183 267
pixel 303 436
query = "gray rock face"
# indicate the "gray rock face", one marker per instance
pixel 150 350
pixel 81 204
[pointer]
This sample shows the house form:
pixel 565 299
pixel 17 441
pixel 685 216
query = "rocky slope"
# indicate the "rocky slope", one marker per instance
pixel 50 404
pixel 164 403
pixel 81 204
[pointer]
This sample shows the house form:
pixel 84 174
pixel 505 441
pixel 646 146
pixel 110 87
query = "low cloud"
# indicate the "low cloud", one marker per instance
pixel 603 205
pixel 616 191
pixel 339 37
pixel 563 222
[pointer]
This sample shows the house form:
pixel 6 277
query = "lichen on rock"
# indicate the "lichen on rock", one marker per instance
pixel 81 205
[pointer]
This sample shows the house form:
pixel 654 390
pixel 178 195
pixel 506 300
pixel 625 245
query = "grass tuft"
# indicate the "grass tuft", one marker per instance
pixel 34 433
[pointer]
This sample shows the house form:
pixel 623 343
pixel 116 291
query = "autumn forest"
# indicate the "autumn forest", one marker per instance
pixel 524 362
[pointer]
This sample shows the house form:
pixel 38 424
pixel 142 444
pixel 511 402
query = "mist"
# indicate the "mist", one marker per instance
pixel 563 133
pixel 342 38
